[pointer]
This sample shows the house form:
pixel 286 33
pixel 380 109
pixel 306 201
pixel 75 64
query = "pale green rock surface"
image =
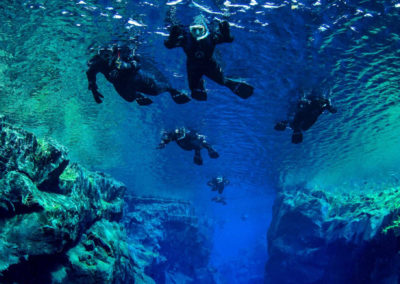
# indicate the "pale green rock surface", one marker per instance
pixel 58 221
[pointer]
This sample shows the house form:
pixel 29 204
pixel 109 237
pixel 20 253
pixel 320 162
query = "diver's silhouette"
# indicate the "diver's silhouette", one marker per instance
pixel 199 41
pixel 307 112
pixel 219 199
pixel 189 140
pixel 121 67
pixel 218 184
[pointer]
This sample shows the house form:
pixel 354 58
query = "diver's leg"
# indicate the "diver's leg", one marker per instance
pixel 196 83
pixel 197 157
pixel 147 84
pixel 211 152
pixel 142 100
pixel 214 72
pixel 297 136
pixel 242 89
pixel 128 94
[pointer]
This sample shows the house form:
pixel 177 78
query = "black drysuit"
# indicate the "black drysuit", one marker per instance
pixel 307 113
pixel 189 140
pixel 201 60
pixel 128 79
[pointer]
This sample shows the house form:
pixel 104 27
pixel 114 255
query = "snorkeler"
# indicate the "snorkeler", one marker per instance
pixel 218 184
pixel 198 42
pixel 219 199
pixel 120 65
pixel 308 110
pixel 189 140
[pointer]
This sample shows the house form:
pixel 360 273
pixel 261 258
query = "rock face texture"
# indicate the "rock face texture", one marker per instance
pixel 320 237
pixel 168 241
pixel 57 220
pixel 60 223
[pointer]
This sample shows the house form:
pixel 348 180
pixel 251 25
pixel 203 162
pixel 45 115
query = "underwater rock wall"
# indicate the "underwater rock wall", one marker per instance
pixel 321 237
pixel 168 240
pixel 57 220
pixel 60 223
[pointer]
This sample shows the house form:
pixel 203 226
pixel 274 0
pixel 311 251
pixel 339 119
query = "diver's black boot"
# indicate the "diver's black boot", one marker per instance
pixel 199 94
pixel 197 159
pixel 242 89
pixel 179 97
pixel 213 154
pixel 143 101
pixel 281 126
pixel 297 137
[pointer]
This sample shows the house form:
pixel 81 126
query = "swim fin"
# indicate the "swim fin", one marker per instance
pixel 199 94
pixel 242 89
pixel 179 97
pixel 297 137
pixel 143 101
pixel 213 154
pixel 198 160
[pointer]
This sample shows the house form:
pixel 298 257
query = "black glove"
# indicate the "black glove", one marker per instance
pixel 97 96
pixel 175 32
pixel 225 31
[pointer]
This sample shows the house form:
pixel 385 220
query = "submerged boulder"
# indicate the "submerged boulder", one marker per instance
pixel 57 220
pixel 321 237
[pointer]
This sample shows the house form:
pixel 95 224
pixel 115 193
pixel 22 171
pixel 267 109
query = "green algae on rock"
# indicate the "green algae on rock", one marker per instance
pixel 60 223
pixel 56 217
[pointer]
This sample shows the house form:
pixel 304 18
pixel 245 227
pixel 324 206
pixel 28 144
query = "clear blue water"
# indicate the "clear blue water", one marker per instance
pixel 348 47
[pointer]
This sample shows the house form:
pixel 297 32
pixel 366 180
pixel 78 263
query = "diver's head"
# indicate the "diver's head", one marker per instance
pixel 198 29
pixel 180 133
pixel 122 50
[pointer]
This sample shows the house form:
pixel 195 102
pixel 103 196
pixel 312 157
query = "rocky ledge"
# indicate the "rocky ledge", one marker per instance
pixel 60 223
pixel 321 237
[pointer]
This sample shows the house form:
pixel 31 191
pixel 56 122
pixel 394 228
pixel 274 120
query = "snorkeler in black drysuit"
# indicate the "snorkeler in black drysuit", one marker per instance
pixel 308 110
pixel 219 199
pixel 199 41
pixel 121 67
pixel 218 184
pixel 189 140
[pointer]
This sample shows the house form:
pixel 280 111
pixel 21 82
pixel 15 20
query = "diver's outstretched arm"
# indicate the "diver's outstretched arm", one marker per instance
pixel 166 138
pixel 222 33
pixel 175 38
pixel 331 108
pixel 95 66
pixel 282 125
pixel 327 105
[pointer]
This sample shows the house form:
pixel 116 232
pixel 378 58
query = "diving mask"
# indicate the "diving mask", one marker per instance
pixel 198 31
